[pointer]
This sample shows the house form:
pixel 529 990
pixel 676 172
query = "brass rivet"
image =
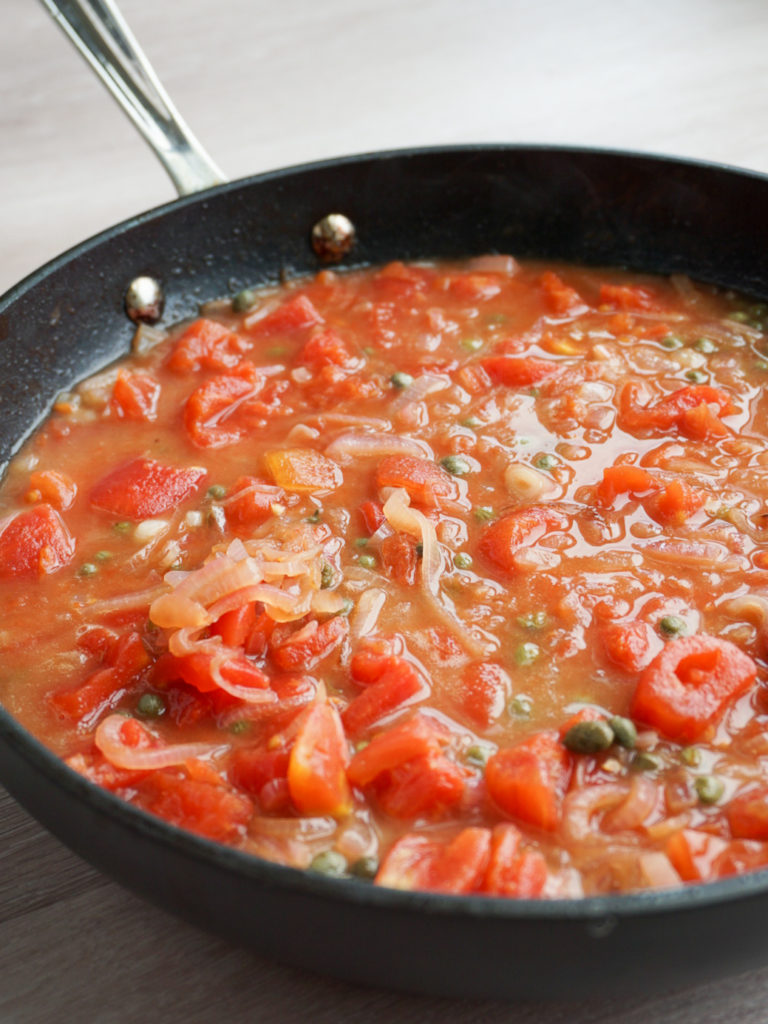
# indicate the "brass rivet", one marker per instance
pixel 333 237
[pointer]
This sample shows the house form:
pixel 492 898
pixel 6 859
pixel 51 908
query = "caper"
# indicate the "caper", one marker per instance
pixel 217 492
pixel 624 730
pixel 401 380
pixel 527 653
pixel 455 465
pixel 366 868
pixel 533 620
pixel 589 737
pixel 645 761
pixel 709 788
pixel 326 576
pixel 243 301
pixel 151 705
pixel 696 376
pixel 477 755
pixel 462 560
pixel 671 341
pixel 705 346
pixel 472 344
pixel 483 513
pixel 367 561
pixel 691 756
pixel 330 863
pixel 88 569
pixel 520 707
pixel 673 625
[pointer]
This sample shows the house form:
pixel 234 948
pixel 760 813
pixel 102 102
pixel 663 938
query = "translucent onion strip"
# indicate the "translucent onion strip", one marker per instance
pixel 109 740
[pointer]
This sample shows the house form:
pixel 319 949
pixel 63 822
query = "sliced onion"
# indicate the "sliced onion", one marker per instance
pixel 694 554
pixel 366 613
pixel 635 809
pixel 494 264
pixel 124 602
pixel 582 807
pixel 657 872
pixel 425 384
pixel 360 444
pixel 402 517
pixel 108 738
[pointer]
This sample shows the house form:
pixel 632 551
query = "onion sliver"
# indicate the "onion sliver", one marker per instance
pixel 108 739
pixel 361 444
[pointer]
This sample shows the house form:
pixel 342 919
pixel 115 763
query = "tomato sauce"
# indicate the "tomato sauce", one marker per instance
pixel 446 576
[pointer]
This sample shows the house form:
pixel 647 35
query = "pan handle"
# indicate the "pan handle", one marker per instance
pixel 99 32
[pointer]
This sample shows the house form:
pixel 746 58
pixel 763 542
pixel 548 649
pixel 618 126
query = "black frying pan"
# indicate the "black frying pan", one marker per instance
pixel 67 320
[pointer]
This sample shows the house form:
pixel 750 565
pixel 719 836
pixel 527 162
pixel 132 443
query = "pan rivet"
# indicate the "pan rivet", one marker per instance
pixel 144 300
pixel 333 237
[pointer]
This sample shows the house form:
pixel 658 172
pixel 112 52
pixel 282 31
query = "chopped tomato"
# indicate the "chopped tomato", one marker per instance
pixel 251 501
pixel 57 489
pixel 258 770
pixel 317 767
pixel 747 813
pixel 415 862
pixel 395 746
pixel 206 808
pixel 196 670
pixel 622 479
pixel 307 647
pixel 629 645
pixel 408 862
pixel 294 314
pixel 483 692
pixel 474 287
pixel 372 515
pixel 100 691
pixel 701 857
pixel 144 487
pixel 560 298
pixel 236 626
pixel 676 503
pixel 303 470
pixel 689 684
pixel 518 372
pixel 671 409
pixel 397 685
pixel 208 345
pixel 326 348
pixel 426 483
pixel 427 786
pixel 512 872
pixel 218 412
pixel 626 297
pixel 399 559
pixel 528 781
pixel 503 539
pixel 135 396
pixel 35 543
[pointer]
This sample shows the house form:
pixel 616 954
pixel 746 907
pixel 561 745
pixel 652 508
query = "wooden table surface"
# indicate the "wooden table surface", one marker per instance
pixel 265 85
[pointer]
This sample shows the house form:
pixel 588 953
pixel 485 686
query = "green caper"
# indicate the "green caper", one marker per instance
pixel 122 527
pixel 367 561
pixel 151 705
pixel 243 301
pixel 330 863
pixel 672 626
pixel 691 756
pixel 589 737
pixel 645 761
pixel 671 341
pixel 709 788
pixel 533 620
pixel 520 707
pixel 696 376
pixel 545 462
pixel 705 346
pixel 401 380
pixel 314 517
pixel 483 513
pixel 526 654
pixel 455 465
pixel 477 755
pixel 326 576
pixel 624 730
pixel 472 344
pixel 88 569
pixel 217 492
pixel 103 556
pixel 462 560
pixel 365 868
pixel 239 727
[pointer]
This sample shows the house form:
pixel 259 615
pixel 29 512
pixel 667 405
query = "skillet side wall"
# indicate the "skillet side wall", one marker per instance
pixel 66 322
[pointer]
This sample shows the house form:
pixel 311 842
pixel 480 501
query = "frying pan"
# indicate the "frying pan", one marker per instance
pixel 68 320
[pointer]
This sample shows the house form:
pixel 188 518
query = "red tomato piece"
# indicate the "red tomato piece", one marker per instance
pixel 528 781
pixel 512 872
pixel 560 298
pixel 100 691
pixel 501 540
pixel 689 685
pixel 626 297
pixel 251 501
pixel 459 866
pixel 307 647
pixel 236 626
pixel 676 503
pixel 207 345
pixel 426 483
pixel 518 372
pixel 206 808
pixel 296 313
pixel 473 287
pixel 195 670
pixel 747 813
pixel 217 413
pixel 317 777
pixel 143 488
pixel 701 857
pixel 35 543
pixel 56 489
pixel 398 684
pixel 395 746
pixel 407 863
pixel 135 396
pixel 483 693
pixel 371 660
pixel 629 645
pixel 427 786
pixel 303 470
pixel 326 348
pixel 671 409
pixel 254 768
pixel 372 515
pixel 621 480
pixel 399 559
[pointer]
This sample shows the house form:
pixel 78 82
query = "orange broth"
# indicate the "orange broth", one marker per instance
pixel 451 576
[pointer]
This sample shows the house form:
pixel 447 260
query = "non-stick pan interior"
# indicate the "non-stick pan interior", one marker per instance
pixel 67 320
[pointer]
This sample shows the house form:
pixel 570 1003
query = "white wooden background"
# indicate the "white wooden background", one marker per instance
pixel 266 84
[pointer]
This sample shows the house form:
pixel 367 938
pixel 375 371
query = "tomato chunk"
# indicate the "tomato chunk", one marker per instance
pixel 560 298
pixel 689 685
pixel 629 645
pixel 503 539
pixel 512 872
pixel 135 396
pixel 309 646
pixel 415 862
pixel 622 479
pixel 701 857
pixel 218 413
pixel 144 487
pixel 427 484
pixel 528 781
pixel 518 372
pixel 670 410
pixel 676 503
pixel 205 807
pixel 393 747
pixel 251 501
pixel 483 693
pixel 303 470
pixel 396 686
pixel 35 543
pixel 292 315
pixel 317 777
pixel 207 344
pixel 54 488
pixel 747 813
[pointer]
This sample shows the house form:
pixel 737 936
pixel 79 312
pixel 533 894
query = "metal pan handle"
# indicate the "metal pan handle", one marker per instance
pixel 99 32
